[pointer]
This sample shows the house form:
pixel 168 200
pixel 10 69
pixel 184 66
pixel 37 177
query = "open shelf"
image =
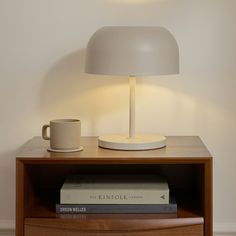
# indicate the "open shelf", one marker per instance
pixel 46 180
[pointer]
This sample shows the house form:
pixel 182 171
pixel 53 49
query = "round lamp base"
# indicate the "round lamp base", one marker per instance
pixel 140 142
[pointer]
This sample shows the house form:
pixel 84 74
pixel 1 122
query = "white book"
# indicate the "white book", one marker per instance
pixel 115 189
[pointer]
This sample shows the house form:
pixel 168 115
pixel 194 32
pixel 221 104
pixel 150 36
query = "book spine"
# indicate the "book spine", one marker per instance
pixel 104 209
pixel 71 196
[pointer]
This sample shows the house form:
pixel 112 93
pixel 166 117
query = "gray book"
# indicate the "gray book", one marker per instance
pixel 114 189
pixel 116 208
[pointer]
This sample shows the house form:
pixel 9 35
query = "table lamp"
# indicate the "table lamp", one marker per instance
pixel 132 51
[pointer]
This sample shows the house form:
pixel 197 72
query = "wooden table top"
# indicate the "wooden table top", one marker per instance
pixel 178 147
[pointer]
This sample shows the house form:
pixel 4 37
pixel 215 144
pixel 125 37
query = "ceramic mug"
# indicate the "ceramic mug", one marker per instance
pixel 64 135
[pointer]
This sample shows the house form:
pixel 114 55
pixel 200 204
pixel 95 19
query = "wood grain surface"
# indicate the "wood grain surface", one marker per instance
pixel 39 230
pixel 187 148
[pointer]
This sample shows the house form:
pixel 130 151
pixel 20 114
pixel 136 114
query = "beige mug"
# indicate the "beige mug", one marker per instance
pixel 64 135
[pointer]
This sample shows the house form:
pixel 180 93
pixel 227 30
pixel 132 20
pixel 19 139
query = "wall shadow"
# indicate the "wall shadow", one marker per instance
pixel 68 92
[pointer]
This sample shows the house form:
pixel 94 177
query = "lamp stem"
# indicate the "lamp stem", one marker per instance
pixel 132 83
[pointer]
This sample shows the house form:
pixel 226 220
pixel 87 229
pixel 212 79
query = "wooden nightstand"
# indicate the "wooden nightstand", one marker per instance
pixel 185 162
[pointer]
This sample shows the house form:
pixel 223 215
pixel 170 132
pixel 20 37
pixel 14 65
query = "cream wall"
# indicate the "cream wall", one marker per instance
pixel 42 46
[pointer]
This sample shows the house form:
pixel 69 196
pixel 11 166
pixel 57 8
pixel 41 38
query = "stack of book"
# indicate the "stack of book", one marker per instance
pixel 115 194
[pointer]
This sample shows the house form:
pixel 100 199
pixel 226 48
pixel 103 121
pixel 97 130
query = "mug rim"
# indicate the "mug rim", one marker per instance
pixel 64 121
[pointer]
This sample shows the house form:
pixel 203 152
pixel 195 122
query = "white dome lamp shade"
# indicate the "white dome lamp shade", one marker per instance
pixel 132 51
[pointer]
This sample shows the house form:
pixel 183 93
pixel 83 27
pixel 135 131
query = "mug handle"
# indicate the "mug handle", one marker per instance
pixel 44 132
